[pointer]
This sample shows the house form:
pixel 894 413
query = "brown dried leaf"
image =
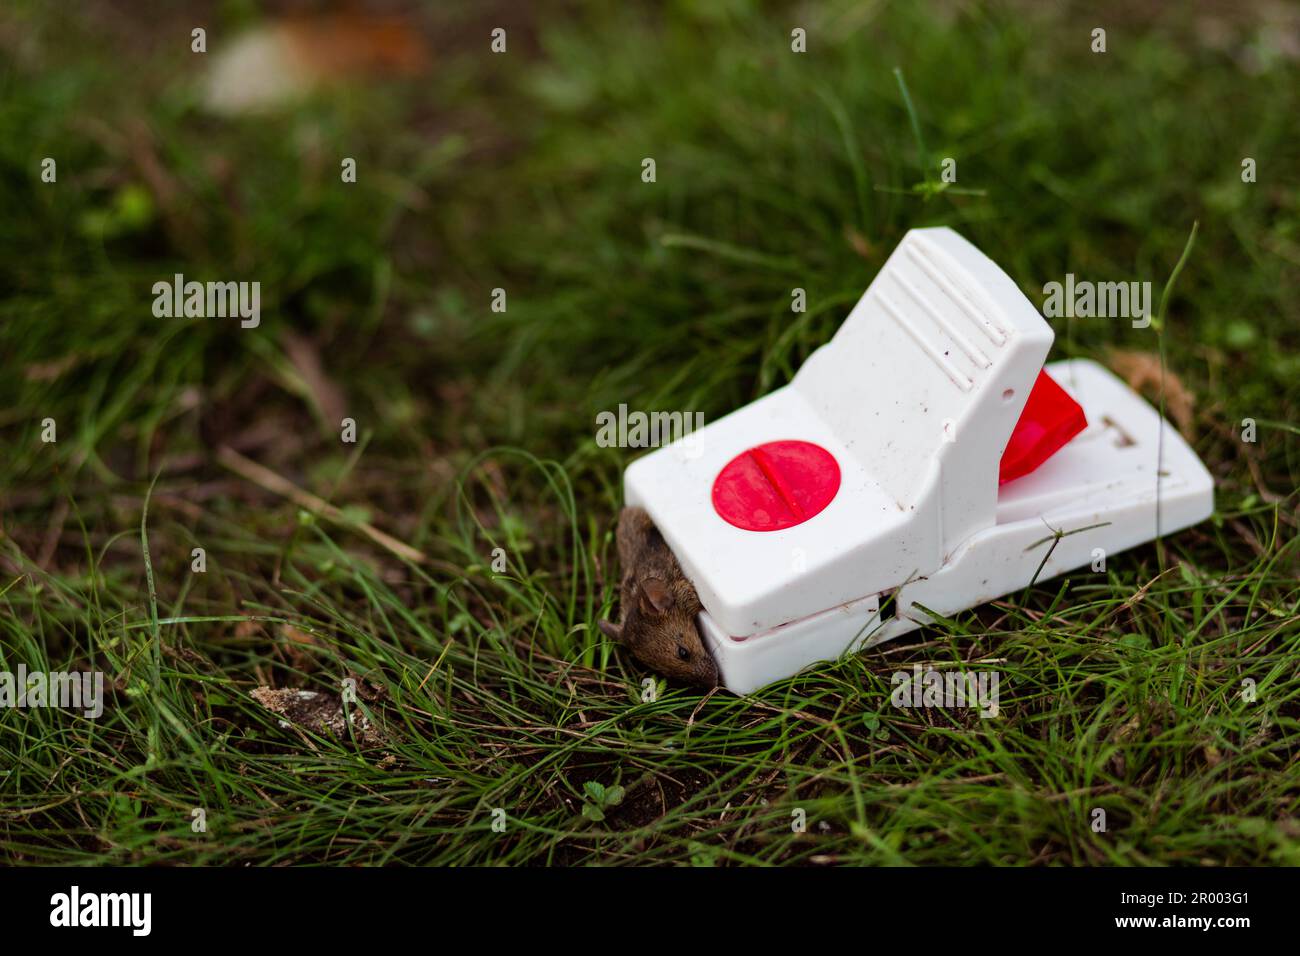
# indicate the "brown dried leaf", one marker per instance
pixel 324 393
pixel 1142 372
pixel 269 67
pixel 320 712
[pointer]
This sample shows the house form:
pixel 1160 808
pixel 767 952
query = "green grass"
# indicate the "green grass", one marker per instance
pixel 1120 690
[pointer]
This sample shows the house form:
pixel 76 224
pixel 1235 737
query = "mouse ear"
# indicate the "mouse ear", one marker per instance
pixel 611 630
pixel 654 597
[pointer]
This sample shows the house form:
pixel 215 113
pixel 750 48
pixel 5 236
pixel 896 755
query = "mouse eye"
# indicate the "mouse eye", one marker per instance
pixel 682 653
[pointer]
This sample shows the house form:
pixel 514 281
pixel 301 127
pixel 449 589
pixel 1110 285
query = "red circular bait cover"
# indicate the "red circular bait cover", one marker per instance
pixel 776 485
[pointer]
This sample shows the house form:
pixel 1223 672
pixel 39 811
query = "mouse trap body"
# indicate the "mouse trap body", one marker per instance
pixel 924 458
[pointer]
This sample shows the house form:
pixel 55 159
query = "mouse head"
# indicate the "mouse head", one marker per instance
pixel 659 629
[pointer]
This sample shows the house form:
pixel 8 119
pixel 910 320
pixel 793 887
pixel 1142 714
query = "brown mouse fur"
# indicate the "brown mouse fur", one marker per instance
pixel 658 605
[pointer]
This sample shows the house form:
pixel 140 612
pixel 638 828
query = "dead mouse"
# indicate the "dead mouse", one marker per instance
pixel 658 605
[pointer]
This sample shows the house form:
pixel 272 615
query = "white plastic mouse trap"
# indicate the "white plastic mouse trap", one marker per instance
pixel 887 475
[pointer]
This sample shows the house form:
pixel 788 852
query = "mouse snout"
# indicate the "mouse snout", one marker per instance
pixel 709 675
